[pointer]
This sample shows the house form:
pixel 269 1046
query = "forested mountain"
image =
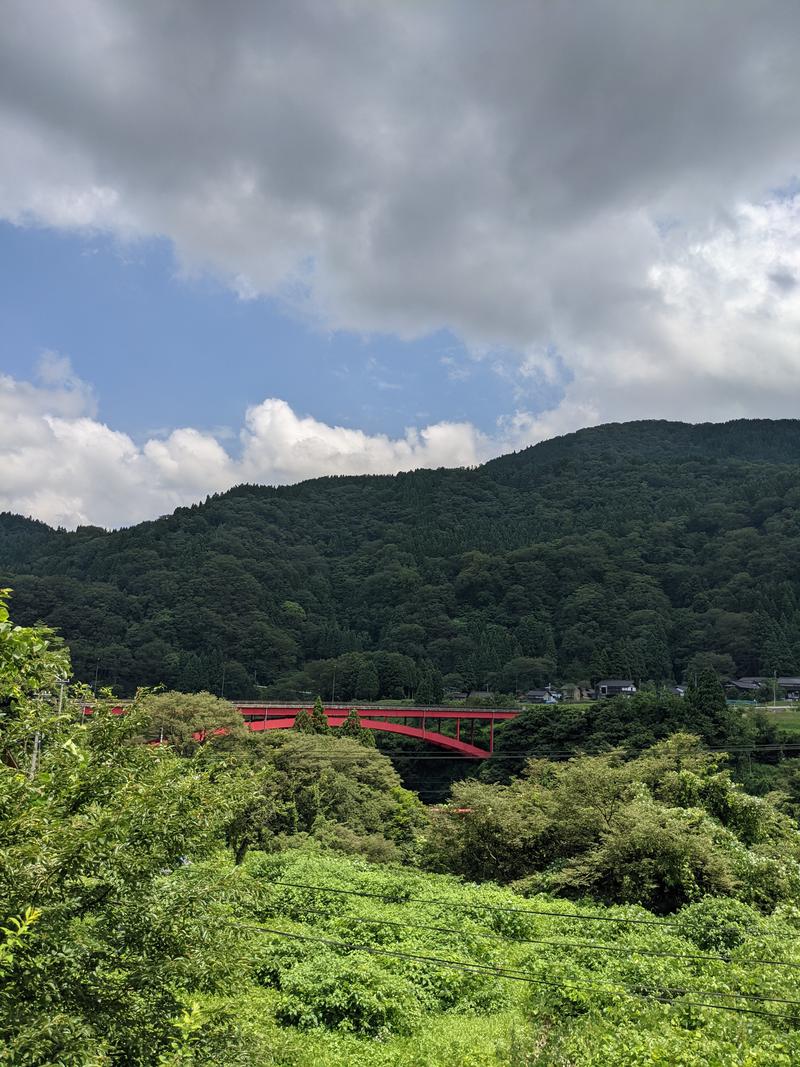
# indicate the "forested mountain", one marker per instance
pixel 628 548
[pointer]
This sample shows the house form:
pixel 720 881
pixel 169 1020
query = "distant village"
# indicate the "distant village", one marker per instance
pixel 751 689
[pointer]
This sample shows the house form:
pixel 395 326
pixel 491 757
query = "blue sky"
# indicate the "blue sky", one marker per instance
pixel 163 350
pixel 577 213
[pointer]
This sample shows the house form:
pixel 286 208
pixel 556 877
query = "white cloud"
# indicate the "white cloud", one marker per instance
pixel 722 337
pixel 583 189
pixel 60 464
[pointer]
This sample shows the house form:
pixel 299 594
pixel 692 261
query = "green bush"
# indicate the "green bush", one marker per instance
pixel 350 993
pixel 717 923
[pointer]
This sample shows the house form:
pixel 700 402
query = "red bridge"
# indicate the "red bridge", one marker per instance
pixel 427 722
pixel 384 720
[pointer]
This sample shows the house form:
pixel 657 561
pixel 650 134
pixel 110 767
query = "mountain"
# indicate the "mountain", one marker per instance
pixel 642 548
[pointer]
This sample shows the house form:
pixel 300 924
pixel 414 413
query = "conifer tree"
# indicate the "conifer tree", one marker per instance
pixel 319 721
pixel 351 727
pixel 430 687
pixel 303 722
pixel 711 716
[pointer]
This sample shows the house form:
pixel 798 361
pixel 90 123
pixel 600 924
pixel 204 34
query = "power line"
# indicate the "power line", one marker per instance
pixel 553 754
pixel 486 907
pixel 592 946
pixel 487 935
pixel 478 968
pixel 507 908
pixel 568 944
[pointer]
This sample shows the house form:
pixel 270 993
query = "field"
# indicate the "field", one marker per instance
pixel 786 717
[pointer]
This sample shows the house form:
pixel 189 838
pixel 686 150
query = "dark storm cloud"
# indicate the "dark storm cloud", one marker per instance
pixel 501 169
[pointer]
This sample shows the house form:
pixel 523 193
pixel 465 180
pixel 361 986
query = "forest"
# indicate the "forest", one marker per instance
pixel 648 550
pixel 176 890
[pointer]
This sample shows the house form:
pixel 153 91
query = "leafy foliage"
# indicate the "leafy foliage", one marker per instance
pixel 89 833
pixel 631 723
pixel 351 727
pixel 662 830
pixel 598 989
pixel 331 791
pixel 191 721
pixel 130 935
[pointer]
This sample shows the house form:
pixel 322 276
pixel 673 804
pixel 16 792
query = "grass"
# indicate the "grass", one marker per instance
pixel 785 716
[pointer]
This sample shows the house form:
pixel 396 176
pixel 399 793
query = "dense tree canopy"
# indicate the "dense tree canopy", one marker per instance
pixel 632 723
pixel 625 550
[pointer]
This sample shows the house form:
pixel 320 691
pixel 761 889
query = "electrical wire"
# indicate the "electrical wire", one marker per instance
pixel 592 946
pixel 567 944
pixel 580 916
pixel 487 935
pixel 478 968
pixel 486 907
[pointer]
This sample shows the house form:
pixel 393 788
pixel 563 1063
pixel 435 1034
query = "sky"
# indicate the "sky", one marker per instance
pixel 267 242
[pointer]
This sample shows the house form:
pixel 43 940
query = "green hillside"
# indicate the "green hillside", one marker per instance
pixel 627 548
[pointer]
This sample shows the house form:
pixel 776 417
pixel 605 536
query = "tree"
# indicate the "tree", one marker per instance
pixel 661 830
pixel 346 795
pixel 535 637
pixel 352 728
pixel 33 668
pixel 721 663
pixel 430 686
pixel 303 723
pixel 367 683
pixel 92 845
pixel 189 721
pixel 765 693
pixel 705 701
pixel 319 720
pixel 655 655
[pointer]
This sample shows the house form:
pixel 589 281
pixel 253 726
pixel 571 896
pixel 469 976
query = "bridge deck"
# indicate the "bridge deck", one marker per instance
pixel 282 710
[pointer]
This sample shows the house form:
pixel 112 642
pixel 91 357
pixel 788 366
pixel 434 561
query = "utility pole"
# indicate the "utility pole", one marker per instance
pixel 222 687
pixel 333 686
pixel 37 744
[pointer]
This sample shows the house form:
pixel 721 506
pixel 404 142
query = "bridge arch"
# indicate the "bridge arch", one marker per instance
pixel 431 736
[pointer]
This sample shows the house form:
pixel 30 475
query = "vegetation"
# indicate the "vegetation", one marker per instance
pixel 663 830
pixel 176 893
pixel 650 550
pixel 214 897
pixel 633 723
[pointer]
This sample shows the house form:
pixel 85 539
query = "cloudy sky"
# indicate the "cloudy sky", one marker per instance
pixel 267 241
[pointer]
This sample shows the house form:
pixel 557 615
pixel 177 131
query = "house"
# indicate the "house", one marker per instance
pixel 571 694
pixel 752 683
pixel 452 695
pixel 747 686
pixel 480 694
pixel 615 687
pixel 539 696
